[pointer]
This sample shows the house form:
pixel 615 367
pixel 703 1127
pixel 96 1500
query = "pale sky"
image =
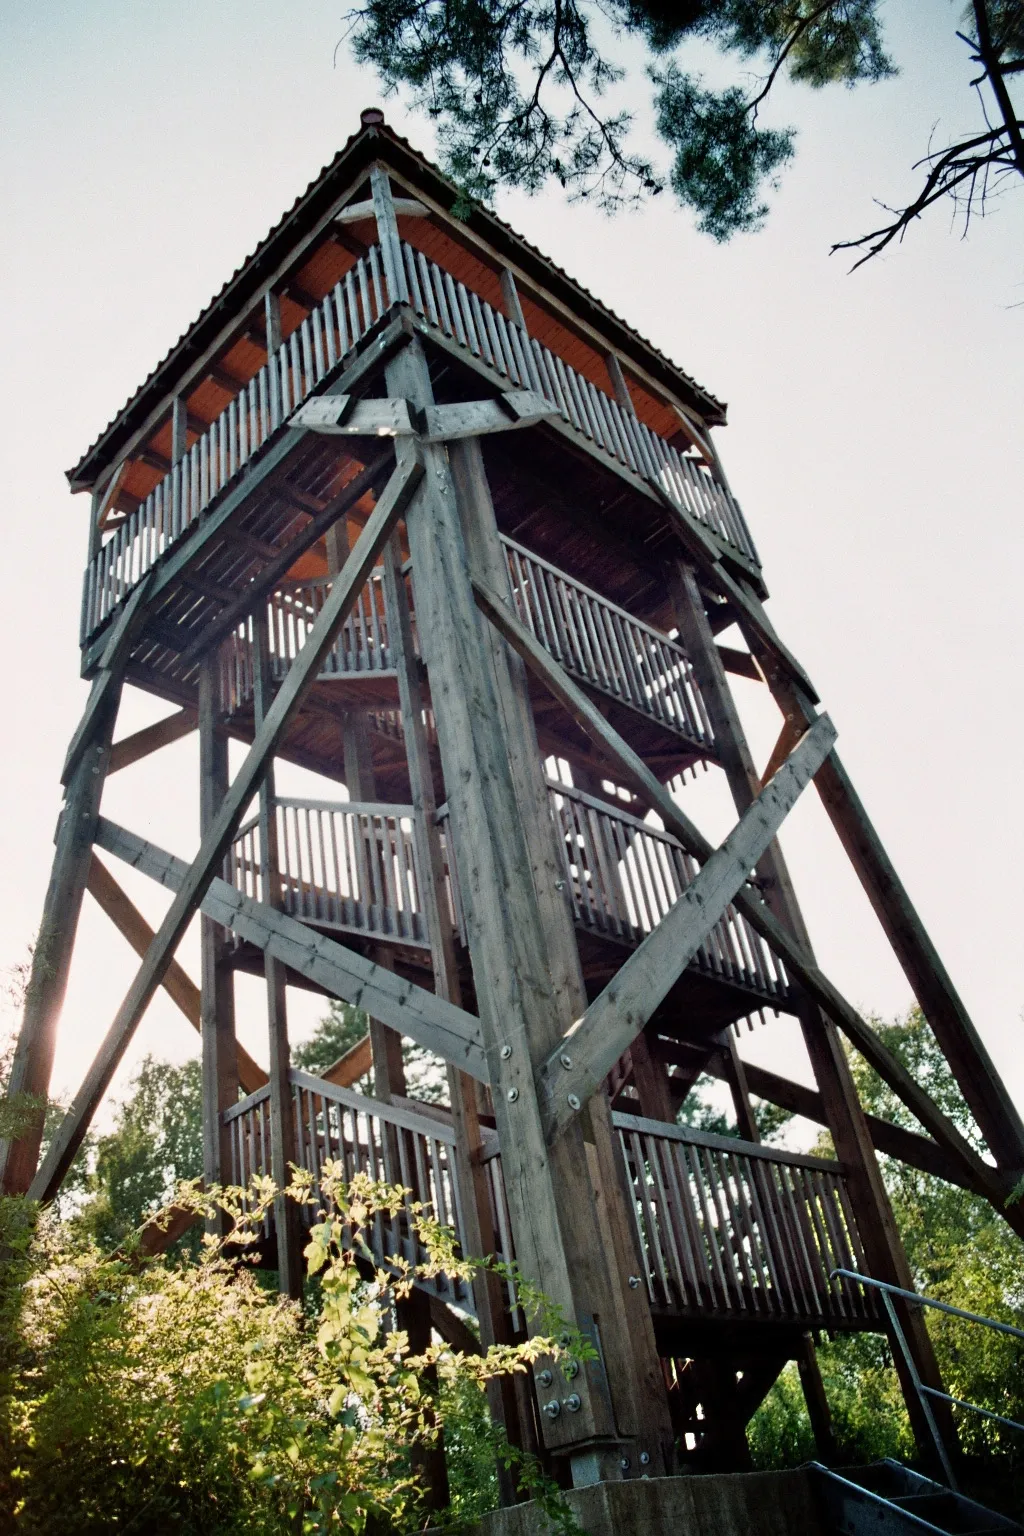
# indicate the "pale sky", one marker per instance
pixel 874 441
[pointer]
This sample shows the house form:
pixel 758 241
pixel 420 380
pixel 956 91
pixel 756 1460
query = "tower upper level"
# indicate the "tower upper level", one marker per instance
pixel 326 289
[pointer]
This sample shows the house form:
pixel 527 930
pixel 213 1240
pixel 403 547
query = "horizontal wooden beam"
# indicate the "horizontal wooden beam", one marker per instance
pixel 591 1047
pixel 139 745
pixel 630 770
pixel 178 985
pixel 344 416
pixel 355 1063
pixel 344 973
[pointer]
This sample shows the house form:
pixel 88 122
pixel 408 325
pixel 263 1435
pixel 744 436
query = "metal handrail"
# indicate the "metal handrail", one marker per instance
pixel 921 1388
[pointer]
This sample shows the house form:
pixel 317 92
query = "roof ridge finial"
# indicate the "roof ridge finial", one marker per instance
pixel 372 117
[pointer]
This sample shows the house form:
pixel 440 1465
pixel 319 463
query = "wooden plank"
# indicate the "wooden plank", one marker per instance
pixel 131 749
pixel 596 1041
pixel 975 1072
pixel 630 770
pixel 107 682
pixel 217 838
pixel 350 1067
pixel 217 980
pixel 51 957
pixel 344 973
pixel 178 985
pixel 287 1217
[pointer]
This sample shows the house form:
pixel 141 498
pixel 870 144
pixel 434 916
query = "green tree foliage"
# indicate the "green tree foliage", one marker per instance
pixel 520 92
pixel 153 1396
pixel 960 1251
pixel 156 1143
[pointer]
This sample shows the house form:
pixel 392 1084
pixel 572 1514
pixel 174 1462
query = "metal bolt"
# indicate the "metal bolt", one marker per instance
pixel 512 1095
pixel 545 1377
pixel 645 1458
pixel 625 1464
pixel 573 1101
pixel 566 1060
pixel 506 1052
pixel 634 1282
pixel 552 1409
pixel 571 1369
pixel 573 1402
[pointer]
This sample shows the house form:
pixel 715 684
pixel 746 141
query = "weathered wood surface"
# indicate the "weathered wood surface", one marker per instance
pixel 429 1020
pixel 85 772
pixel 217 838
pixel 629 768
pixel 588 1051
pixel 178 985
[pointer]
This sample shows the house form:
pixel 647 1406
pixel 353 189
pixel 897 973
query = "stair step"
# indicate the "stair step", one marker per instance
pixel 885 1498
pixel 947 1511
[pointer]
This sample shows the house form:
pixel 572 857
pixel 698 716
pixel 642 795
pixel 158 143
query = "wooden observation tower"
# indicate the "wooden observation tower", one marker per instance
pixel 408 507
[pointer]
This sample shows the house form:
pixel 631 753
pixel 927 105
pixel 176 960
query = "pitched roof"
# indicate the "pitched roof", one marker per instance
pixel 375 140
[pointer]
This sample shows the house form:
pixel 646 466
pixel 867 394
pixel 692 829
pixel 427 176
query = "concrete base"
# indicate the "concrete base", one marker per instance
pixel 730 1504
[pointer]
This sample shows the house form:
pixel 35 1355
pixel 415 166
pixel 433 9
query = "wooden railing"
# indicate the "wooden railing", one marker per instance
pixel 361 646
pixel 389 1143
pixel 734 1228
pixel 485 332
pixel 331 330
pixel 728 1228
pixel 606 646
pixel 623 876
pixel 342 865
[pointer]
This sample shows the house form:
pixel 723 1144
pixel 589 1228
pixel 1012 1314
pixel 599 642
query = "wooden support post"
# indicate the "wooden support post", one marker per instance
pixel 503 1393
pixel 972 1066
pixel 85 771
pixel 527 996
pixel 201 874
pixel 882 1245
pixel 283 1141
pixel 817 1402
pixel 179 428
pixel 738 1086
pixel 628 768
pixel 638 1392
pixel 217 981
pixel 589 1050
pixel 387 234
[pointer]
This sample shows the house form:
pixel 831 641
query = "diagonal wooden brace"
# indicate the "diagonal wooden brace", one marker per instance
pixel 589 1050
pixel 340 602
pixel 426 1018
pixel 632 770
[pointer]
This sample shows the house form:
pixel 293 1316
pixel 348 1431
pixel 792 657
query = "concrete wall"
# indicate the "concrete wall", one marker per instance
pixel 730 1504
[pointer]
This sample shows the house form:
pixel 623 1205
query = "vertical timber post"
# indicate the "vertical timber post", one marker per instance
pixel 217 985
pixel 283 1141
pixel 846 1120
pixel 51 955
pixel 477 1221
